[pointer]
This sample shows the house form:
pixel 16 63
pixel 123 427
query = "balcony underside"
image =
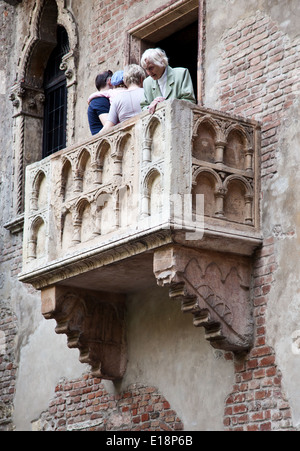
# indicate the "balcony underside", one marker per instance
pixel 127 266
pixel 170 199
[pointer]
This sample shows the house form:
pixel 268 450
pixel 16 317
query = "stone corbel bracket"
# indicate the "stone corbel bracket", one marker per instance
pixel 215 288
pixel 94 323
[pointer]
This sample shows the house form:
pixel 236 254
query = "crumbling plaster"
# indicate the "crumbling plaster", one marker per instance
pixel 280 199
pixel 284 13
pixel 281 207
pixel 166 351
pixel 280 217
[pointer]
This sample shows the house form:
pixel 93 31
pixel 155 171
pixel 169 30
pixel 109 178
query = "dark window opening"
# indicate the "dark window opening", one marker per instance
pixel 55 88
pixel 182 50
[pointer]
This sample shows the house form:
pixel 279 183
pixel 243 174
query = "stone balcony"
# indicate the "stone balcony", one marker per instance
pixel 169 199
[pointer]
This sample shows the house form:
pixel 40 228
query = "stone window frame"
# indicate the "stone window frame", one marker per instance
pixel 163 22
pixel 28 99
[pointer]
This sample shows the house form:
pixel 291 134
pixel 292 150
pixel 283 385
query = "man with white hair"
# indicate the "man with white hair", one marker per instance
pixel 164 82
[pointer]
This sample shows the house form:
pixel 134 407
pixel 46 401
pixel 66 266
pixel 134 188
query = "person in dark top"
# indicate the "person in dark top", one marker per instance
pixel 99 107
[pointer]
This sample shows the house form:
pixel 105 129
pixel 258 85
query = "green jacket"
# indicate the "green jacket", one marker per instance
pixel 179 86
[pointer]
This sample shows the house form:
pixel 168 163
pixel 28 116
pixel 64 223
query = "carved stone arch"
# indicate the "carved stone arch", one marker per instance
pixel 104 162
pixel 210 122
pixel 152 192
pixel 150 176
pixel 69 64
pixel 37 200
pixel 124 156
pixel 67 178
pixel 106 214
pixel 238 201
pixel 122 139
pixel 27 94
pixel 67 20
pixel 154 135
pixel 213 173
pixel 208 183
pixel 207 136
pixel 82 223
pixel 80 206
pixel 43 12
pixel 41 38
pixel 242 180
pixel 238 147
pixel 243 131
pixel 36 242
pixel 124 206
pixel 67 228
pixel 83 174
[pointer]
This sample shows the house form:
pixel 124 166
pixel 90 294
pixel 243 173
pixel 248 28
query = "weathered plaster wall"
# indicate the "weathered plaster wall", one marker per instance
pixel 167 351
pixel 279 80
pixel 8 247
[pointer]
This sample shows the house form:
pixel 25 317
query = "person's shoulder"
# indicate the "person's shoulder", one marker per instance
pixel 179 70
pixel 148 81
pixel 99 101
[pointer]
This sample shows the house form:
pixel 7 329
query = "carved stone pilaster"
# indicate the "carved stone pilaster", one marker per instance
pixel 94 323
pixel 215 288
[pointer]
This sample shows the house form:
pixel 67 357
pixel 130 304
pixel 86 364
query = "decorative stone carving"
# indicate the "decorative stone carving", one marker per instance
pixel 122 202
pixel 27 95
pixel 214 288
pixel 94 323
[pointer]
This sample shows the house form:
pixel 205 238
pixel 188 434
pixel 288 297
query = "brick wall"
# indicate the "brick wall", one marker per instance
pixel 11 254
pixel 8 368
pixel 109 20
pixel 85 405
pixel 259 81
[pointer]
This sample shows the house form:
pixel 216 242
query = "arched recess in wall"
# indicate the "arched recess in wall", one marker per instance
pixel 28 95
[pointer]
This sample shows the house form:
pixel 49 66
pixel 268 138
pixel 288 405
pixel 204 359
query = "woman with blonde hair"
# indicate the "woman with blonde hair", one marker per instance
pixel 128 103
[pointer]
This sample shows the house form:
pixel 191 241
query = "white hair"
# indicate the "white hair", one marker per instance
pixel 155 56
